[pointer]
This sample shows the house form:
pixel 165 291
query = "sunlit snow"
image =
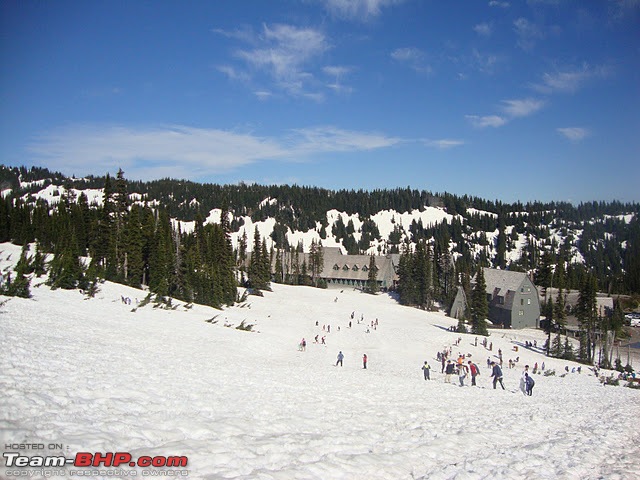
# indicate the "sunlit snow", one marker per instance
pixel 100 375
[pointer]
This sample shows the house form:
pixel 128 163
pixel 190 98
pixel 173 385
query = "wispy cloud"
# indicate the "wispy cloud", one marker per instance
pixel 483 29
pixel 332 139
pixel 528 33
pixel 522 108
pixel 285 54
pixel 620 10
pixel 484 62
pixel 232 73
pixel 337 73
pixel 496 3
pixel 486 121
pixel 569 80
pixel 575 134
pixel 361 10
pixel 444 143
pixel 413 57
pixel 263 95
pixel 178 150
pixel 511 109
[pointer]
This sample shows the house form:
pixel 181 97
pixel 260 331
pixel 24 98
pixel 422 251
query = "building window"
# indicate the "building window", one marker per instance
pixel 521 313
pixel 345 268
pixel 336 267
pixel 355 268
pixel 364 268
pixel 522 301
pixel 528 301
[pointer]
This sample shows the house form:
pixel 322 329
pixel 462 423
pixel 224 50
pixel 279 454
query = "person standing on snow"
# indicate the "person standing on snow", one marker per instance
pixel 449 371
pixel 364 361
pixel 529 382
pixel 340 358
pixel 425 369
pixel 473 368
pixel 523 380
pixel 462 373
pixel 496 373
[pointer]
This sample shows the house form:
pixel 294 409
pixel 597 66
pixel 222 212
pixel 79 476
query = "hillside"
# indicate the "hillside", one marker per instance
pixel 100 375
pixel 598 238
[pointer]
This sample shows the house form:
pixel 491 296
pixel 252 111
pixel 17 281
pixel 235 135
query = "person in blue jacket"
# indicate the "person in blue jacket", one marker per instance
pixel 496 373
pixel 529 382
pixel 340 358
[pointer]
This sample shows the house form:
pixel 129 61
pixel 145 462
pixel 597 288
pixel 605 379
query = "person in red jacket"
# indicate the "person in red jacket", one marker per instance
pixel 473 368
pixel 364 361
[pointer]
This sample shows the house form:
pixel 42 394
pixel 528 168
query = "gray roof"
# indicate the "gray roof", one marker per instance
pixel 499 282
pixel 350 267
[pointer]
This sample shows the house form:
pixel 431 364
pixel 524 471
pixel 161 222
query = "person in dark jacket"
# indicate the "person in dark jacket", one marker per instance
pixel 496 373
pixel 425 369
pixel 449 370
pixel 529 382
pixel 340 358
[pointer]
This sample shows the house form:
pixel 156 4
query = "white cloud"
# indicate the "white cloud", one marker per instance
pixel 484 62
pixel 522 108
pixel 336 70
pixel 232 73
pixel 444 143
pixel 178 150
pixel 575 134
pixel 483 29
pixel 332 139
pixel 569 80
pixel 283 53
pixel 486 121
pixel 496 3
pixel 262 94
pixel 414 57
pixel 408 54
pixel 358 9
pixel 528 33
pixel 337 73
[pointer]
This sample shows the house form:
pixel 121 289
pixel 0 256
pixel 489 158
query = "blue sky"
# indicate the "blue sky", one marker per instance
pixel 509 100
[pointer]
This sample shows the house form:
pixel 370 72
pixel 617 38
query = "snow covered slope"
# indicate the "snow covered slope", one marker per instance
pixel 99 375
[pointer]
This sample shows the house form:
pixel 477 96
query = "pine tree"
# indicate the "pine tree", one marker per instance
pixel 461 328
pixel 225 260
pixel 65 269
pixel 20 286
pixel 479 305
pixel 279 268
pixel 501 244
pixel 133 248
pixel 316 261
pixel 372 280
pixel 38 266
pixel 587 318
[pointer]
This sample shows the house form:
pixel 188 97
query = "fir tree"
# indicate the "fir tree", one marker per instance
pixel 372 280
pixel 316 261
pixel 479 305
pixel 21 285
pixel 587 318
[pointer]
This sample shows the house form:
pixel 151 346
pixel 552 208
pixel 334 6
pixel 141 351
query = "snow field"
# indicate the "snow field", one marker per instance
pixel 99 377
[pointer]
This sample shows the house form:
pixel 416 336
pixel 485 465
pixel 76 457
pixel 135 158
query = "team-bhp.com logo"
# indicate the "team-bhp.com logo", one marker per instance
pixel 100 460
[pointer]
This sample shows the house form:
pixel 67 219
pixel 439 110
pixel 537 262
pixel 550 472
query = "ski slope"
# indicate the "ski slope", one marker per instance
pixel 99 375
